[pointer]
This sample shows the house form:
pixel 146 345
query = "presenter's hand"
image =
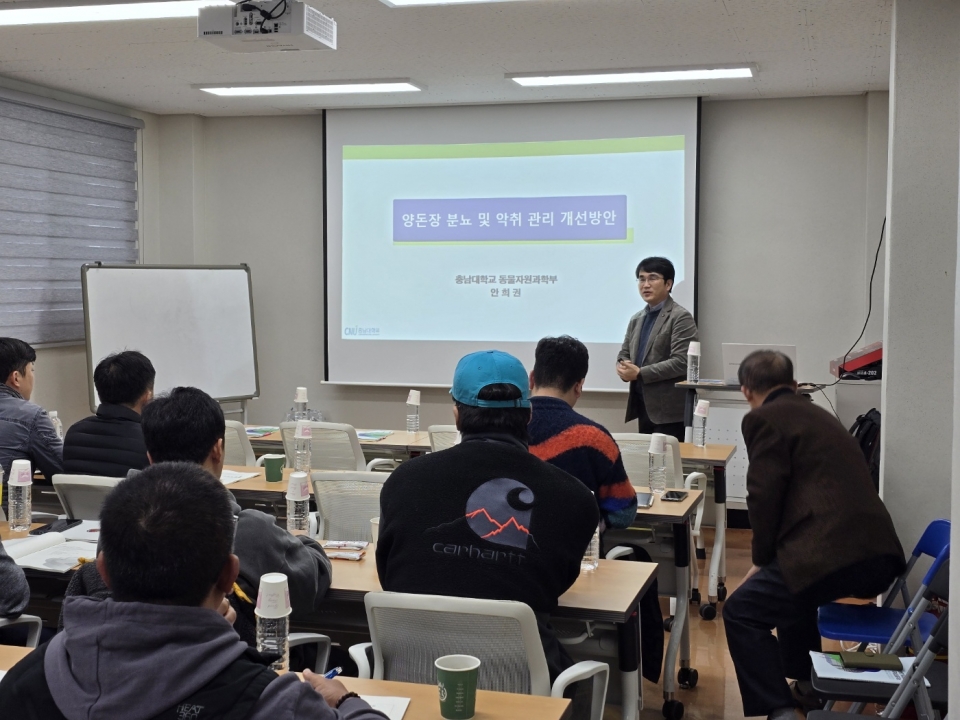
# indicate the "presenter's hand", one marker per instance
pixel 627 371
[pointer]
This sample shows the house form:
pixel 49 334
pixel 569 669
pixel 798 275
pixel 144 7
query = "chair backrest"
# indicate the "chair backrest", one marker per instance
pixel 346 502
pixel 634 448
pixel 442 436
pixel 934 539
pixel 333 446
pixel 236 445
pixel 409 632
pixel 82 496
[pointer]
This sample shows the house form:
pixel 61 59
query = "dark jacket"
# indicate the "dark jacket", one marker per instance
pixel 14 591
pixel 812 504
pixel 26 433
pixel 134 660
pixel 662 365
pixel 109 443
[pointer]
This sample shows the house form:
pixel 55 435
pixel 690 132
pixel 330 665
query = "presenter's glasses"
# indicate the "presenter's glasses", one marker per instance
pixel 650 279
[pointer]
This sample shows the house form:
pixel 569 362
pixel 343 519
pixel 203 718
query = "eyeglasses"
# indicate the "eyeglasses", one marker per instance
pixel 652 278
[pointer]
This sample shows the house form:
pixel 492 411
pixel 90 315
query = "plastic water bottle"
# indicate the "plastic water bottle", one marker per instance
pixel 57 425
pixel 693 362
pixel 18 488
pixel 301 445
pixel 591 558
pixel 273 619
pixel 413 411
pixel 300 411
pixel 298 503
pixel 658 463
pixel 700 423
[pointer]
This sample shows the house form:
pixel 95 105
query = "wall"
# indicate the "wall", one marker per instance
pixel 785 241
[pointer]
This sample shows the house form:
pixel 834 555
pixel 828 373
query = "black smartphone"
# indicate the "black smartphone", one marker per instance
pixel 55 526
pixel 644 500
pixel 675 496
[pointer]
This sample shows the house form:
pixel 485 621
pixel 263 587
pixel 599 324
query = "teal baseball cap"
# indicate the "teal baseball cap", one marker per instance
pixel 489 367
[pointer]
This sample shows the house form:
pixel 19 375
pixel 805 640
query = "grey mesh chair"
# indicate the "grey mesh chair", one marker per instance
pixel 82 495
pixel 237 449
pixel 346 502
pixel 322 642
pixel 442 436
pixel 35 626
pixel 409 632
pixel 334 446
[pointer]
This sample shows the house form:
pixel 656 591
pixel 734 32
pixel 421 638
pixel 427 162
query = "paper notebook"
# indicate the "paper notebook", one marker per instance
pixel 86 531
pixel 374 435
pixel 50 552
pixel 231 476
pixel 393 707
pixel 829 667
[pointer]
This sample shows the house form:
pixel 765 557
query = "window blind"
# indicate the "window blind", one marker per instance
pixel 68 196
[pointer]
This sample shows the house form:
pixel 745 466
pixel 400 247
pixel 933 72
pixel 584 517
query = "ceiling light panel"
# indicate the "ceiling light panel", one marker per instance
pixel 330 89
pixel 631 76
pixel 103 13
pixel 420 3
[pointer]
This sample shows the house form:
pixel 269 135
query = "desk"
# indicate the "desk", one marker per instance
pixel 398 441
pixel 424 703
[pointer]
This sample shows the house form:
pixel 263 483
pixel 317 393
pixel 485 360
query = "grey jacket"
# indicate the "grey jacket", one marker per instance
pixel 14 591
pixel 663 364
pixel 133 660
pixel 26 433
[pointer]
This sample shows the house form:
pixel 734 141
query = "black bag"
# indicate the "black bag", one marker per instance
pixel 866 431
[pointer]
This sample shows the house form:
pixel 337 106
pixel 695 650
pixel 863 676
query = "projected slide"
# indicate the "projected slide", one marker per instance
pixel 505 241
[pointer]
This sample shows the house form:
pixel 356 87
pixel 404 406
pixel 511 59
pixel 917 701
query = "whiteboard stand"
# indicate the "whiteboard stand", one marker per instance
pixel 242 411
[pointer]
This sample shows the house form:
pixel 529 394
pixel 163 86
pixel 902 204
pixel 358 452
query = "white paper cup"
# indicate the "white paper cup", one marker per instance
pixel 703 408
pixel 273 600
pixel 304 431
pixel 413 397
pixel 298 487
pixel 694 348
pixel 20 473
pixel 658 443
pixel 375 528
pixel 301 395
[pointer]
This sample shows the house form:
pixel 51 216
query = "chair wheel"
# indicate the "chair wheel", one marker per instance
pixel 695 596
pixel 708 611
pixel 721 592
pixel 673 710
pixel 687 678
pixel 667 624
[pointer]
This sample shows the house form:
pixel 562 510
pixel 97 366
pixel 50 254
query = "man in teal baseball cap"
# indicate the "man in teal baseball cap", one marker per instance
pixel 485 518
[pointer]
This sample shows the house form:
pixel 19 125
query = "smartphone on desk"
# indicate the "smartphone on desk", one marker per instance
pixel 55 526
pixel 645 500
pixel 675 496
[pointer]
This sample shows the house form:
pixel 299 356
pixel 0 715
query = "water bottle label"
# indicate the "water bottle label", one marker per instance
pixel 304 431
pixel 23 477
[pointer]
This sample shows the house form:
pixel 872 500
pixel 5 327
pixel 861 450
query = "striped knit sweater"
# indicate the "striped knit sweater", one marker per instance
pixel 565 438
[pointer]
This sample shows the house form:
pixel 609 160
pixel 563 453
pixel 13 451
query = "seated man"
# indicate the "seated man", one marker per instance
pixel 820 533
pixel 14 596
pixel 187 425
pixel 565 438
pixel 572 442
pixel 485 518
pixel 159 648
pixel 110 443
pixel 26 431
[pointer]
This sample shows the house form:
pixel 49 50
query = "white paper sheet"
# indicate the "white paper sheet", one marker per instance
pixel 21 547
pixel 59 558
pixel 86 531
pixel 393 707
pixel 231 476
pixel 828 666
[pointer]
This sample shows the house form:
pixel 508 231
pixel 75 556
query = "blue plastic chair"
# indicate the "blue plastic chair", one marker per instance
pixel 885 625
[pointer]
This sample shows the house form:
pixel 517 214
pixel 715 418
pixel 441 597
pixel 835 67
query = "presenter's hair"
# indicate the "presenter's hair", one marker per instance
pixel 123 378
pixel 560 362
pixel 659 265
pixel 166 534
pixel 507 421
pixel 763 370
pixel 14 355
pixel 182 425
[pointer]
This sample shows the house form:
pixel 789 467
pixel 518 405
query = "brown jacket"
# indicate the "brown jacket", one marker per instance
pixel 811 502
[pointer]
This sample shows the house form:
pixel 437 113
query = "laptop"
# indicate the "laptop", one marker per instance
pixel 735 353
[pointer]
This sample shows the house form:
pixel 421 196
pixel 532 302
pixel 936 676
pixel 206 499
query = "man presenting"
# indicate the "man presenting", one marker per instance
pixel 654 353
pixel 820 533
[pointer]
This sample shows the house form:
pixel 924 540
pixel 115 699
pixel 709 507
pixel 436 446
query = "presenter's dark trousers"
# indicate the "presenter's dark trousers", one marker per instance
pixel 764 662
pixel 648 427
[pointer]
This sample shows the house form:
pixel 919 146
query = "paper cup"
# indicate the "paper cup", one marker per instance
pixel 301 395
pixel 457 683
pixel 298 487
pixel 273 600
pixel 375 528
pixel 304 431
pixel 694 348
pixel 20 473
pixel 658 443
pixel 703 408
pixel 273 466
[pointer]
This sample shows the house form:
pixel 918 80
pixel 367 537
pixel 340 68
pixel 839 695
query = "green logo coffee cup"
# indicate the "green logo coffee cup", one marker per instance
pixel 273 465
pixel 457 683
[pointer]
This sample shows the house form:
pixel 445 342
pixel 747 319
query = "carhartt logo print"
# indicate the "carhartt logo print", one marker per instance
pixel 500 511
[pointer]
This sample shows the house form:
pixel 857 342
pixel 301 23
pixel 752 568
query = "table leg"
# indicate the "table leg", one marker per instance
pixel 680 633
pixel 716 589
pixel 689 403
pixel 628 651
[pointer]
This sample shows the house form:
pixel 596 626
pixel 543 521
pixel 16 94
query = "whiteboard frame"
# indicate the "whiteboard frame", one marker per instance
pixel 91 390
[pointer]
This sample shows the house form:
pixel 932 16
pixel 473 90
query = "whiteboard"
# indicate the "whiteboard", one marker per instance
pixel 195 323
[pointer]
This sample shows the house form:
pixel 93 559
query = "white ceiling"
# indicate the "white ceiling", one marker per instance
pixel 461 53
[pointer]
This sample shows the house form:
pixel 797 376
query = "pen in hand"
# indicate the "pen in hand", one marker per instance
pixel 333 673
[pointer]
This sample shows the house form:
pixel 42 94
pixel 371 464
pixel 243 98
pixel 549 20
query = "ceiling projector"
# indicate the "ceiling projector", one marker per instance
pixel 275 25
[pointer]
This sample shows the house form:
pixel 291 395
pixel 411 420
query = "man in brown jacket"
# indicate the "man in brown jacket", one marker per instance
pixel 820 533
